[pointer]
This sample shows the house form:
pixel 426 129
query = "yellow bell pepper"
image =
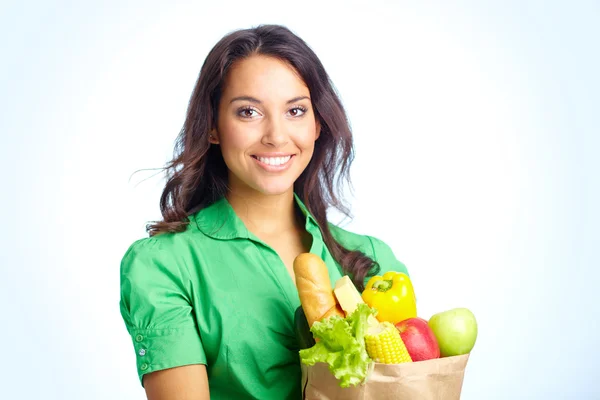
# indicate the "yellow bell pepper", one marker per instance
pixel 392 295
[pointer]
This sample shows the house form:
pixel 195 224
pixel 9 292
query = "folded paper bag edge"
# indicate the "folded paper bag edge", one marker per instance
pixel 319 383
pixel 440 365
pixel 436 365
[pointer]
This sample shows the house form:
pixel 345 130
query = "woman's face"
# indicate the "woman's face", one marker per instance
pixel 266 126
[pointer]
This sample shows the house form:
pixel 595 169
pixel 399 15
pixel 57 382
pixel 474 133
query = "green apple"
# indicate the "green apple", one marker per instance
pixel 455 331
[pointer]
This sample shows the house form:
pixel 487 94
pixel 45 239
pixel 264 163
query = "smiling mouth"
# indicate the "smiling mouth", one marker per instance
pixel 274 161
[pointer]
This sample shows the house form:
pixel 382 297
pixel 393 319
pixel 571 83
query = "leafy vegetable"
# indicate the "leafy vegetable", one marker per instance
pixel 341 344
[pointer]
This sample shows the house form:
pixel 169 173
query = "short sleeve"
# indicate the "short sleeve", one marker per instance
pixel 157 309
pixel 385 257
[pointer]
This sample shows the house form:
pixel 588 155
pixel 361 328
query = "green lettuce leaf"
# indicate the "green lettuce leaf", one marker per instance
pixel 341 345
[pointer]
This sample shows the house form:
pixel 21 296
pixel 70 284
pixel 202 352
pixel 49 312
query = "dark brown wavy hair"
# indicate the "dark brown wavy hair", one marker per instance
pixel 197 174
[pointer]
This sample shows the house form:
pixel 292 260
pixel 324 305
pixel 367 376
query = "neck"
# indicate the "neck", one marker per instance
pixel 264 214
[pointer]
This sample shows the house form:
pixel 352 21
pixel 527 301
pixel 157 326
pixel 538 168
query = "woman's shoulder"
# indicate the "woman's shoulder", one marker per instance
pixel 352 240
pixel 372 246
pixel 368 244
pixel 166 242
pixel 147 255
pixel 167 249
pixel 159 243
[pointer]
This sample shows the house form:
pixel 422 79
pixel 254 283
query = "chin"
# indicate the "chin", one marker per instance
pixel 264 185
pixel 274 190
pixel 272 187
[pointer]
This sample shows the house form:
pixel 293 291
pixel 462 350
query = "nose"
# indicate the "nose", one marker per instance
pixel 275 134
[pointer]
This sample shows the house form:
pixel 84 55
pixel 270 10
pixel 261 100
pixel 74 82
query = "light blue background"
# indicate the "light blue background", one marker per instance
pixel 477 137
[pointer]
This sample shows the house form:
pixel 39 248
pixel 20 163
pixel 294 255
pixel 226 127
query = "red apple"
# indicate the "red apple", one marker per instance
pixel 419 339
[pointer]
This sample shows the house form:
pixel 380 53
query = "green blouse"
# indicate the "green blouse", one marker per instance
pixel 217 295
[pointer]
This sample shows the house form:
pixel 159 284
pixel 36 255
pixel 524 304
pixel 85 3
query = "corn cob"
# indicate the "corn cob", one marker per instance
pixel 384 344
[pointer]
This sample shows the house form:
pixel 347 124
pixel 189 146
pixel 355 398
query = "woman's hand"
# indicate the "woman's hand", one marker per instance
pixel 189 382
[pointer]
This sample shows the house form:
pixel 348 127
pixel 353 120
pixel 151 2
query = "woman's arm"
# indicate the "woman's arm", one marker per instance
pixel 157 309
pixel 181 383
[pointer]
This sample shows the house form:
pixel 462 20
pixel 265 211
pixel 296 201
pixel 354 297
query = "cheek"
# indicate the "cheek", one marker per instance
pixel 233 140
pixel 305 135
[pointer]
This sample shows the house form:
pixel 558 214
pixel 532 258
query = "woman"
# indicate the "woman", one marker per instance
pixel 209 297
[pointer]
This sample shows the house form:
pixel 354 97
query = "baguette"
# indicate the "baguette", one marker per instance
pixel 314 288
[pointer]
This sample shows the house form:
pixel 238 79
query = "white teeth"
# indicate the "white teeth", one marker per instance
pixel 274 160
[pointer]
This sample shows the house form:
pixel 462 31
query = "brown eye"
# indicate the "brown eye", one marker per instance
pixel 247 113
pixel 297 111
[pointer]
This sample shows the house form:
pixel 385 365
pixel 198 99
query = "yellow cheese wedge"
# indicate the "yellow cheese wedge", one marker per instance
pixel 347 295
pixel 349 298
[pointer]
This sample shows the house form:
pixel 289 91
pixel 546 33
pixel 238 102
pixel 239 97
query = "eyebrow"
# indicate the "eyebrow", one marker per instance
pixel 257 101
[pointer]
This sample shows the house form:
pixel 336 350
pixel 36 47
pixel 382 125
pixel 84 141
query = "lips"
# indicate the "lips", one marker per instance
pixel 274 163
pixel 274 160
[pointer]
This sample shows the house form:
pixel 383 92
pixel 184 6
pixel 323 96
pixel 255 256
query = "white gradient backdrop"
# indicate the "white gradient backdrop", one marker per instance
pixel 477 144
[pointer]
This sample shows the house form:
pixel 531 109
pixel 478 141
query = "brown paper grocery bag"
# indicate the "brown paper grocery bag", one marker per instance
pixel 438 379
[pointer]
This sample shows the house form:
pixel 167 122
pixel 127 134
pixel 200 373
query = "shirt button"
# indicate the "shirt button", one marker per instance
pixel 142 352
pixel 144 366
pixel 139 338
